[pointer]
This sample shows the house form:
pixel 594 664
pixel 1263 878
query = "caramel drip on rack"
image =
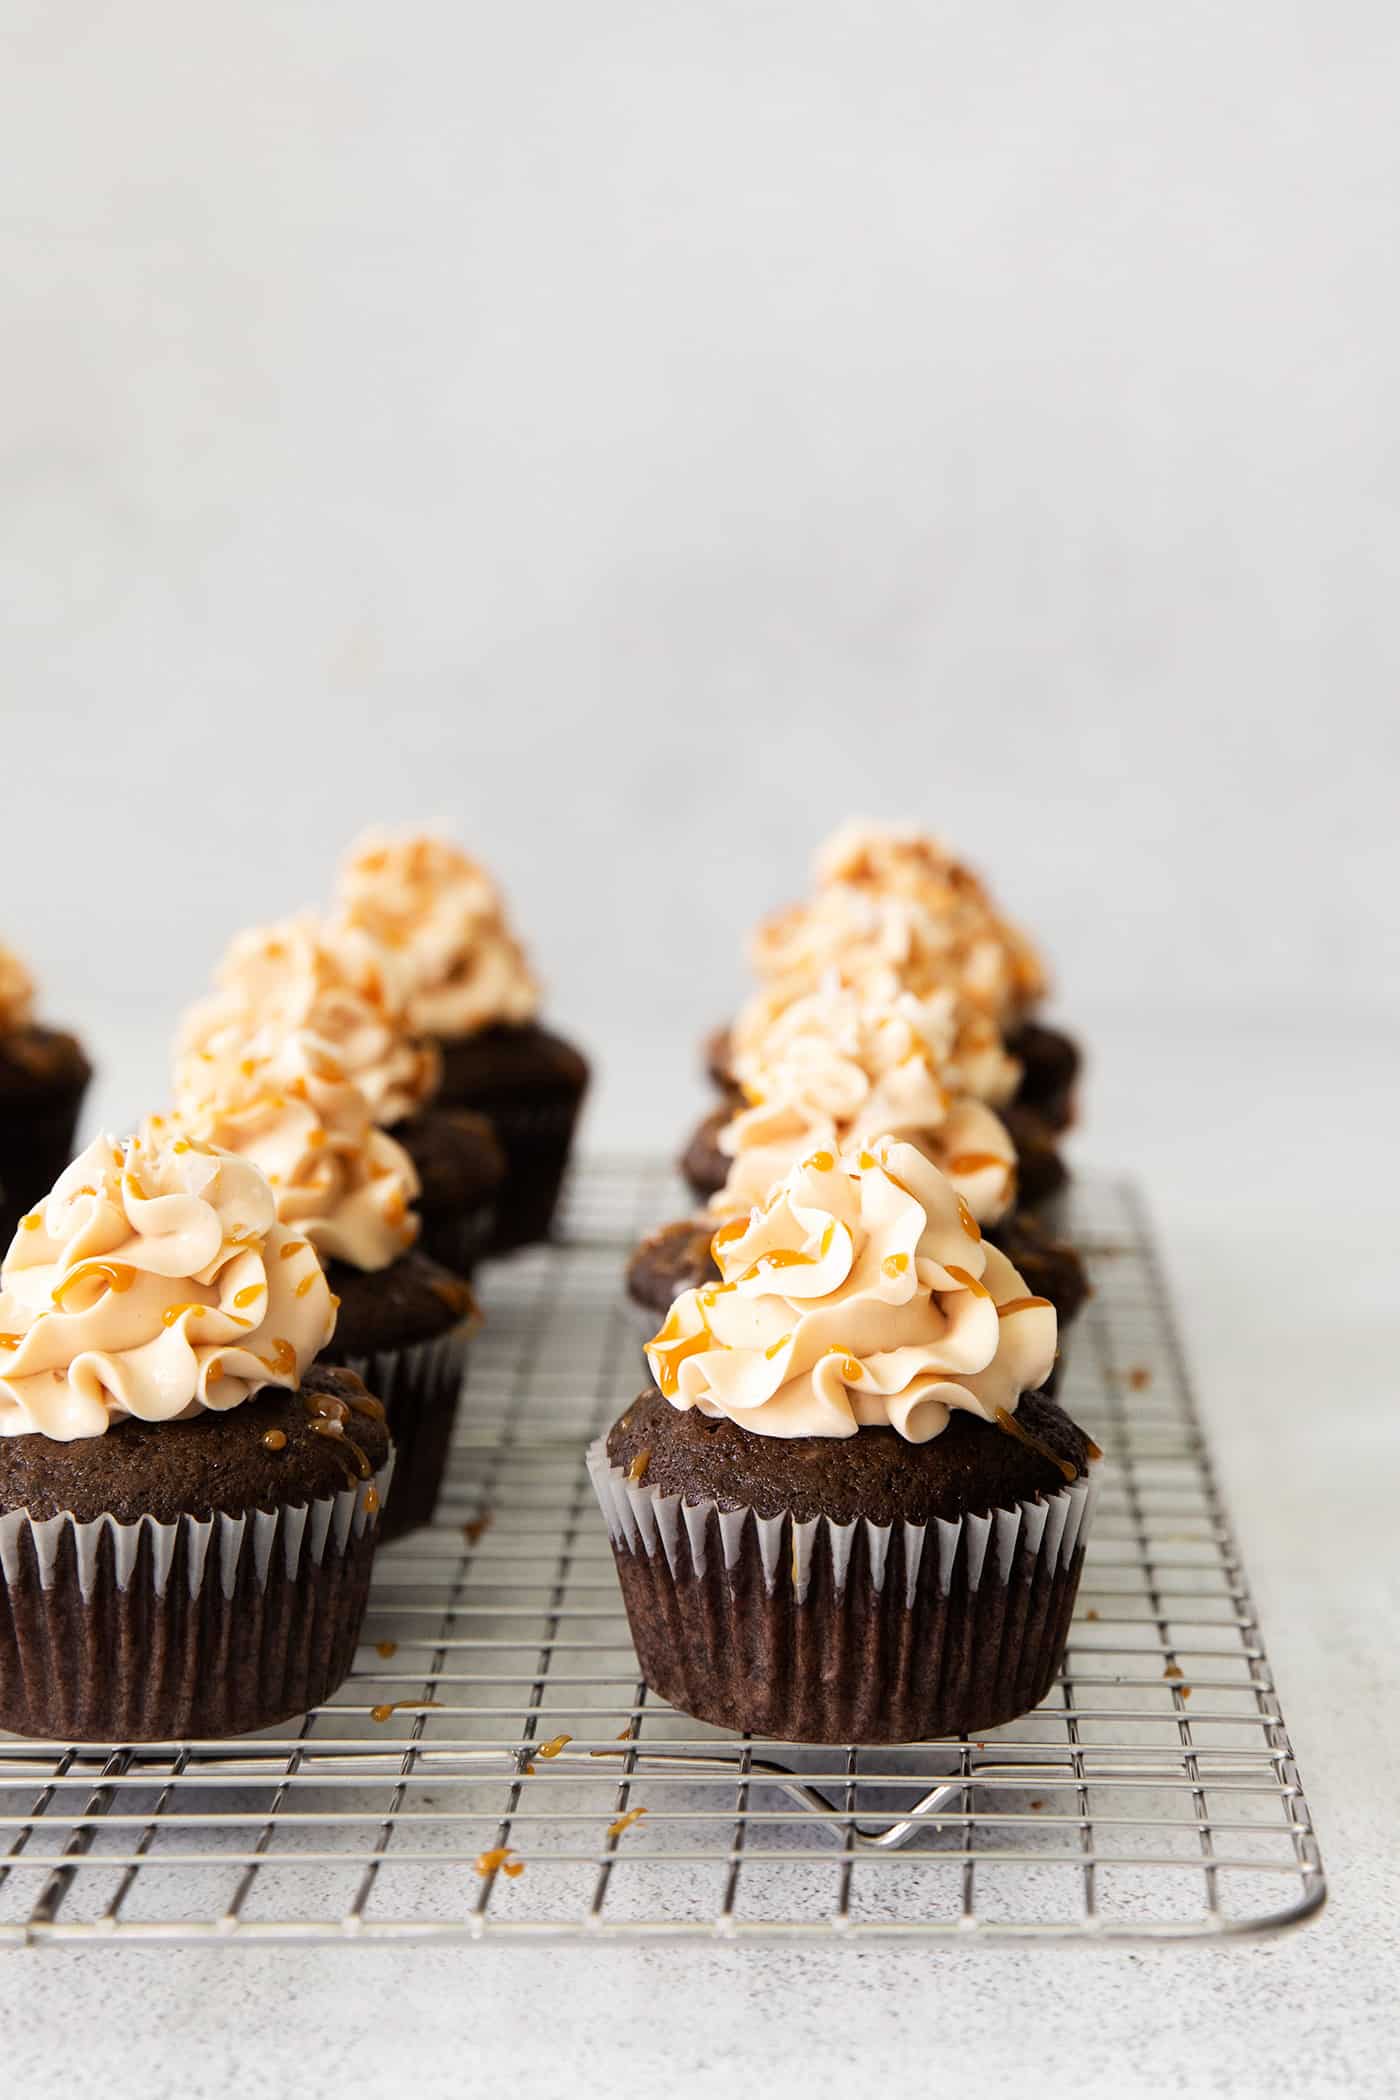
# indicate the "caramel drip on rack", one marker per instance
pixel 402 1706
pixel 633 1815
pixel 1007 1421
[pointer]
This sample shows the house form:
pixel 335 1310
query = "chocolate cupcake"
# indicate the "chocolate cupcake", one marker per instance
pixel 348 1007
pixel 434 916
pixel 188 1505
pixel 349 1188
pixel 44 1074
pixel 891 902
pixel 845 1513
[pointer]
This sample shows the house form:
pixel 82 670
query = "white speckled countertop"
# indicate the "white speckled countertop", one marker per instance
pixel 1293 1382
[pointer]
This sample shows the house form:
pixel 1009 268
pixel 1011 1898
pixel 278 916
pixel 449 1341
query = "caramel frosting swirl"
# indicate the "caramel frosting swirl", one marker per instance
pixel 334 1176
pixel 964 1045
pixel 292 979
pixel 16 992
pixel 835 1070
pixel 860 1294
pixel 892 900
pixel 435 915
pixel 997 967
pixel 154 1281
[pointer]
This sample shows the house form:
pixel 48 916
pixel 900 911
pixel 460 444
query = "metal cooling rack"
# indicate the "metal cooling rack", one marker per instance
pixel 495 1712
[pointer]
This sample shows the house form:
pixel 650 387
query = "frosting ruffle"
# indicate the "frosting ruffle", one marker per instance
pixel 334 1175
pixel 435 916
pixel 292 979
pixel 153 1281
pixel 861 1293
pixel 841 1065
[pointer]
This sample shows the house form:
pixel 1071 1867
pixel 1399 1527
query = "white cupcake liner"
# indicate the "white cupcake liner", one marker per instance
pixel 200 1627
pixel 213 1545
pixel 641 1519
pixel 810 1630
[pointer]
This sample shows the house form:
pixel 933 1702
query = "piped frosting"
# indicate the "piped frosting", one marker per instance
pixel 861 1293
pixel 155 1280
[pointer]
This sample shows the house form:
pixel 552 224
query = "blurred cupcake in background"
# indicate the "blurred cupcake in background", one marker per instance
pixel 44 1074
pixel 845 1511
pixel 433 917
pixel 189 1496
pixel 890 899
pixel 836 1068
pixel 348 1189
pixel 350 1012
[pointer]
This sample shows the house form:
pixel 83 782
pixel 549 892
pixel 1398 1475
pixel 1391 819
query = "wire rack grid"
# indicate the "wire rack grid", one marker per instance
pixel 494 1769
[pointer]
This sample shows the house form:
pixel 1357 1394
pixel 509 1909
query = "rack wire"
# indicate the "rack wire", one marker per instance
pixel 495 1770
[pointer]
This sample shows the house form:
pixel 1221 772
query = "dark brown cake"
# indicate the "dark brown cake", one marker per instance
pixel 1050 1063
pixel 704 1166
pixel 152 1635
pixel 44 1074
pixel 884 1632
pixel 404 1330
pixel 461 1166
pixel 530 1085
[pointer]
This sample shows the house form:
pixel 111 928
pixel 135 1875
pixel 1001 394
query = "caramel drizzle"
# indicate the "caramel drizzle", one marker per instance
pixel 734 1230
pixel 115 1275
pixel 1007 1421
pixel 968 1281
pixel 275 1440
pixel 499 1857
pixel 974 1162
pixel 637 1471
pixel 671 1348
pixel 1015 1305
pixel 969 1224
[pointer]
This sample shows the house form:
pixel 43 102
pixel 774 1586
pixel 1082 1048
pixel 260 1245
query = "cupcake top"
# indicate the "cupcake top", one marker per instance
pixel 292 979
pixel 16 992
pixel 155 1280
pixel 436 916
pixel 835 1068
pixel 860 1294
pixel 893 897
pixel 963 1043
pixel 334 1176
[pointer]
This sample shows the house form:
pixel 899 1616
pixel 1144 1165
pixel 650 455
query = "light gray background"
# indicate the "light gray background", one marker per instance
pixel 634 436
